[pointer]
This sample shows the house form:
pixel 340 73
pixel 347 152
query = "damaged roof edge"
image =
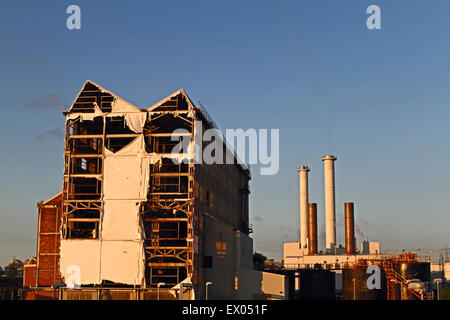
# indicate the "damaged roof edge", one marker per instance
pixel 103 90
pixel 170 96
pixel 206 116
pixel 200 109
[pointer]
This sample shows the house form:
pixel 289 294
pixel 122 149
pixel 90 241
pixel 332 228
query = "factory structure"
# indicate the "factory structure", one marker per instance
pixel 305 251
pixel 138 220
pixel 345 272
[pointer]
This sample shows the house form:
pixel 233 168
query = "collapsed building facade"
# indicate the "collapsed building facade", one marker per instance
pixel 135 214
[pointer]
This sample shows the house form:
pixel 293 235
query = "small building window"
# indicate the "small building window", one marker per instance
pixel 209 198
pixel 84 164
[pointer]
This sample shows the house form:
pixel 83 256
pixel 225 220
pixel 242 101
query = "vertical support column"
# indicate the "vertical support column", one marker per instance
pixel 190 227
pixel 303 170
pixel 66 178
pixel 330 208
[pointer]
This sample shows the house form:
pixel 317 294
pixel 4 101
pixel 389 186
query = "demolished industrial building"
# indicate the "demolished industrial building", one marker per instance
pixel 134 215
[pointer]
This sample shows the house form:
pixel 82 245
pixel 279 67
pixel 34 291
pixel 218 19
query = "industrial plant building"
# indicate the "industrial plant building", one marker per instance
pixel 304 252
pixel 138 220
pixel 344 272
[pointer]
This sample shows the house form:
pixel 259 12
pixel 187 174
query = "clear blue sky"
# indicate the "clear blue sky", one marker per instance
pixel 378 100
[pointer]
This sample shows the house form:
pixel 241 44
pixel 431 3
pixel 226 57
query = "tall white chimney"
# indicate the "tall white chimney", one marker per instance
pixel 303 170
pixel 330 208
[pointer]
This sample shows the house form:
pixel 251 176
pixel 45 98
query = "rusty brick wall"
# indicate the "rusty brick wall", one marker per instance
pixel 47 271
pixel 29 276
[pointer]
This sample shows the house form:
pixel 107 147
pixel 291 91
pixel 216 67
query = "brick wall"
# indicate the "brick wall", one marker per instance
pixel 29 276
pixel 49 222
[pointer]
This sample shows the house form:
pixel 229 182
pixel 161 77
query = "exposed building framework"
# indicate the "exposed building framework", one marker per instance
pixel 125 190
pixel 168 213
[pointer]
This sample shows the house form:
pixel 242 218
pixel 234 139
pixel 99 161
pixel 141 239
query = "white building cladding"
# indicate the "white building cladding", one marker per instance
pixel 116 254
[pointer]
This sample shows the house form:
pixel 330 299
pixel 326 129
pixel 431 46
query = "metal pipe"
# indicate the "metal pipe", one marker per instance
pixel 312 228
pixel 303 170
pixel 354 289
pixel 207 285
pixel 158 286
pixel 330 208
pixel 350 246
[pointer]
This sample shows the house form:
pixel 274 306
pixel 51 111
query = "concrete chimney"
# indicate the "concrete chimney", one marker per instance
pixel 330 208
pixel 303 170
